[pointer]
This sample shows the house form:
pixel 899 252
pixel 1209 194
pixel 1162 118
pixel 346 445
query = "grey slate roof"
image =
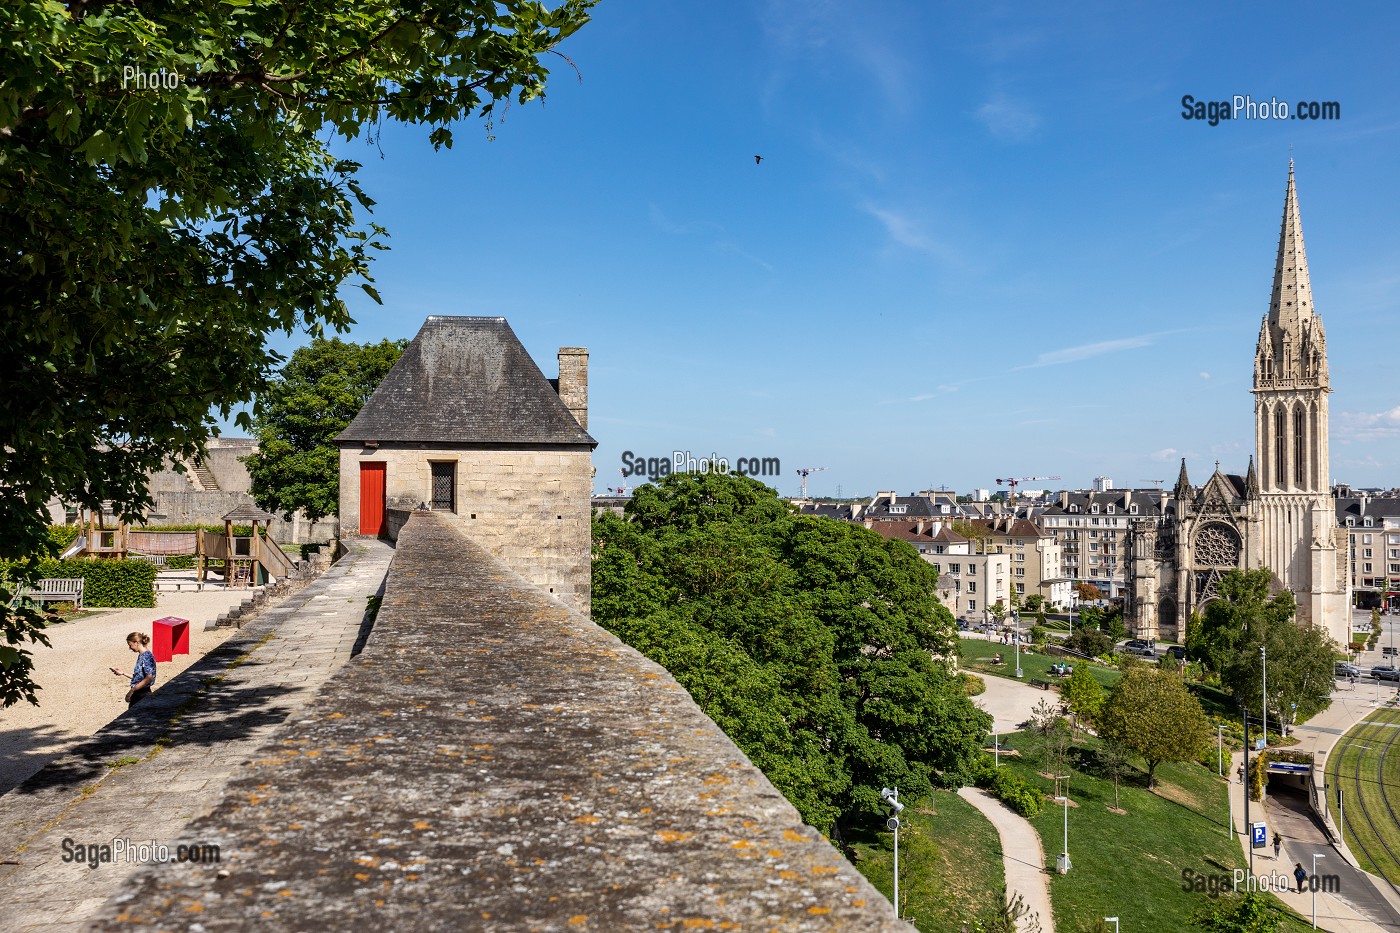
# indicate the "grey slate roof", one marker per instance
pixel 248 512
pixel 466 380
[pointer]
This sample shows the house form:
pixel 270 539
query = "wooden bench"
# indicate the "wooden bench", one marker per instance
pixel 64 590
pixel 1042 684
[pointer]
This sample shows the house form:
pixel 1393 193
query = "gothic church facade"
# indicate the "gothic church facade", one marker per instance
pixel 1280 514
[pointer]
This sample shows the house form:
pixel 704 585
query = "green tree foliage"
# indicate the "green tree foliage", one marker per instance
pixel 1248 617
pixel 1083 694
pixel 322 387
pixel 816 645
pixel 1035 602
pixel 155 232
pixel 1089 642
pixel 1251 913
pixel 1152 713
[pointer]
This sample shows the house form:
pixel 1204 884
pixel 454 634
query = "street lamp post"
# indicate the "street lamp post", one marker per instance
pixel 1341 813
pixel 1016 617
pixel 996 750
pixel 891 796
pixel 1264 690
pixel 1064 863
pixel 1316 856
pixel 1249 830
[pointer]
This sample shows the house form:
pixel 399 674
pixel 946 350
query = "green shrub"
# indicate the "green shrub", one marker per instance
pixel 114 583
pixel 1039 634
pixel 1016 792
pixel 61 537
pixel 180 562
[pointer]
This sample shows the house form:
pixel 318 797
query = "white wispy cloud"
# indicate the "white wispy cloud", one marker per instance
pixel 1008 119
pixel 1169 453
pixel 1204 374
pixel 909 232
pixel 1086 351
pixel 731 248
pixel 1367 426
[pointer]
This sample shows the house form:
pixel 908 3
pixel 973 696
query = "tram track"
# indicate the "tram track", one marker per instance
pixel 1376 729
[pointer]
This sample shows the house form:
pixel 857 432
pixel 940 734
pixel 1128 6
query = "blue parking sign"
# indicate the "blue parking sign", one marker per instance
pixel 1258 835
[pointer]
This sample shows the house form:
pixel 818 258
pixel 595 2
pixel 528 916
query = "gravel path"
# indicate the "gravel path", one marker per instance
pixel 80 695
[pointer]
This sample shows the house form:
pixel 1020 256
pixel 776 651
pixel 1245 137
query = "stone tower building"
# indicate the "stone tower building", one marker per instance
pixel 1280 514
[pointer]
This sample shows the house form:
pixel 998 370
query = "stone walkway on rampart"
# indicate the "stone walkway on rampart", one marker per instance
pixel 177 750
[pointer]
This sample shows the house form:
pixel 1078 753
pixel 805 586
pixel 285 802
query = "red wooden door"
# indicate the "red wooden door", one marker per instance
pixel 372 499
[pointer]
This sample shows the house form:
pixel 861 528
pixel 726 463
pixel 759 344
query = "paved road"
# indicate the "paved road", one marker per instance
pixel 177 749
pixel 1021 853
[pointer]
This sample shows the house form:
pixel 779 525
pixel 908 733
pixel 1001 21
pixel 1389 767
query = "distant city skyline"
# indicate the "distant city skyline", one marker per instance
pixel 980 243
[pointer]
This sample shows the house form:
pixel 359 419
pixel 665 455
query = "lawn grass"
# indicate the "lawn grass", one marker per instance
pixel 950 862
pixel 1379 779
pixel 1131 866
pixel 977 654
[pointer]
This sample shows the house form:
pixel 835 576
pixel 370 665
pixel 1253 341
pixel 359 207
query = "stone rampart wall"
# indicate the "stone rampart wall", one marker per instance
pixel 495 762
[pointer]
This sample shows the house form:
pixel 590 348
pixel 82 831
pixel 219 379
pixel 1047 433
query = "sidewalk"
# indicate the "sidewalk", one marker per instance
pixel 1021 853
pixel 176 751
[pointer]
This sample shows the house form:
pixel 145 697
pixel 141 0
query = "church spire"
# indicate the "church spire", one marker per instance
pixel 1292 302
pixel 1292 345
pixel 1184 492
pixel 1251 480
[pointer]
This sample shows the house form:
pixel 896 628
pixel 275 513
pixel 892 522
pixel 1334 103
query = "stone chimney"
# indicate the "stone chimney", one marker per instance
pixel 573 382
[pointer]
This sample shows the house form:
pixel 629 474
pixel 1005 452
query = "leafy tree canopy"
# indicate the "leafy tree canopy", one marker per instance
pixel 1152 713
pixel 816 645
pixel 168 200
pixel 1247 617
pixel 321 389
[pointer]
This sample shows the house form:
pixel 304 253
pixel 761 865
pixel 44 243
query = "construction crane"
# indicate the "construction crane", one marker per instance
pixel 804 472
pixel 1012 481
pixel 1156 483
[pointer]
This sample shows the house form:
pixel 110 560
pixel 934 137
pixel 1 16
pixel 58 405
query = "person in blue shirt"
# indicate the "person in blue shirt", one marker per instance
pixel 143 677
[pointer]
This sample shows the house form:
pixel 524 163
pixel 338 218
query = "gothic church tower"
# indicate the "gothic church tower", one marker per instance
pixel 1299 538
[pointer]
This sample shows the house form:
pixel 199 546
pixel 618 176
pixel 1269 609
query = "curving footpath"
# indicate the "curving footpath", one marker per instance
pixel 1021 854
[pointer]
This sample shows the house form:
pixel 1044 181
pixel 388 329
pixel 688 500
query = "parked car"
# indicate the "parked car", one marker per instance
pixel 1176 652
pixel 1385 672
pixel 1343 670
pixel 1142 647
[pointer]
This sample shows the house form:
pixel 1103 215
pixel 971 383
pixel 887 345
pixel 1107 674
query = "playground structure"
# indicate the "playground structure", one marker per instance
pixel 240 561
pixel 244 560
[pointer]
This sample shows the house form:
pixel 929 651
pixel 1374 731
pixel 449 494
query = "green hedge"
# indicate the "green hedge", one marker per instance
pixel 111 583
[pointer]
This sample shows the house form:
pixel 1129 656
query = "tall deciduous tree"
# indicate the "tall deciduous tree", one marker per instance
pixel 322 387
pixel 168 200
pixel 817 645
pixel 1151 712
pixel 1247 617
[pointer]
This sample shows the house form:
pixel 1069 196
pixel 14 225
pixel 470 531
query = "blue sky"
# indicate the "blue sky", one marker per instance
pixel 983 242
